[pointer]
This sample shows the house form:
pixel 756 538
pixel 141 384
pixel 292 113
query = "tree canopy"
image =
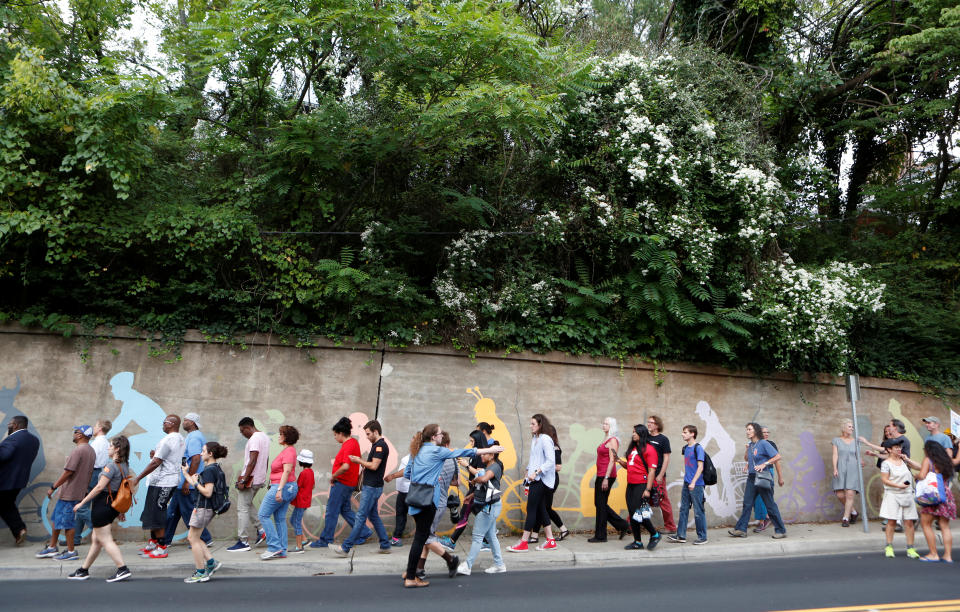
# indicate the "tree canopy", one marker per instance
pixel 762 184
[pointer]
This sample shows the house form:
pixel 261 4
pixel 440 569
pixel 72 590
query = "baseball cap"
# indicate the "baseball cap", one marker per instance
pixel 193 416
pixel 931 419
pixel 86 430
pixel 305 456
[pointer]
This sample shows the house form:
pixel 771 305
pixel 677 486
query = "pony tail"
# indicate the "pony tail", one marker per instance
pixel 415 444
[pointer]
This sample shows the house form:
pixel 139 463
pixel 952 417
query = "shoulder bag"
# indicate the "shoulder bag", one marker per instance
pixel 123 499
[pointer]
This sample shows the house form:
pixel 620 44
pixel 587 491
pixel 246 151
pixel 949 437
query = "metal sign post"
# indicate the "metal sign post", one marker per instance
pixel 853 394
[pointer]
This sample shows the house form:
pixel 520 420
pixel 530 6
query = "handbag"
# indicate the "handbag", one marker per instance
pixel 123 498
pixel 420 495
pixel 930 490
pixel 643 512
pixel 764 480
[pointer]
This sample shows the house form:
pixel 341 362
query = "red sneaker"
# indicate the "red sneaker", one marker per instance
pixel 150 546
pixel 160 552
pixel 520 546
pixel 548 545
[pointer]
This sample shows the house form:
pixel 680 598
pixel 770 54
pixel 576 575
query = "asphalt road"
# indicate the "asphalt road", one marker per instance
pixel 741 586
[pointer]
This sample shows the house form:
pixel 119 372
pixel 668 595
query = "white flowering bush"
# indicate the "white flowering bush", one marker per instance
pixel 806 314
pixel 655 160
pixel 483 297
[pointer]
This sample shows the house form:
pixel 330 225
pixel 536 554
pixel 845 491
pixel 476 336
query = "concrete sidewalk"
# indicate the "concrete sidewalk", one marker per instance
pixel 575 551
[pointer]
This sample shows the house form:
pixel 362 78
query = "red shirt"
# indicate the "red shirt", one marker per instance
pixel 636 469
pixel 603 461
pixel 288 456
pixel 352 475
pixel 304 489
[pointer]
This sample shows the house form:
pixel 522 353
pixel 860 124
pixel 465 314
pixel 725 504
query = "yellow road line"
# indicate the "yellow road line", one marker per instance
pixel 946 605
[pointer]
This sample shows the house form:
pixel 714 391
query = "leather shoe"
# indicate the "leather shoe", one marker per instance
pixel 596 540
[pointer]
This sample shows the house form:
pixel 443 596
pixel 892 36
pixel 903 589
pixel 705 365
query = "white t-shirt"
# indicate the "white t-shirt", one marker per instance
pixel 403 484
pixel 170 450
pixel 101 446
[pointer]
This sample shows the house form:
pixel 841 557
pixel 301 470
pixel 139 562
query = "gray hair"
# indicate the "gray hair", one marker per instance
pixel 612 422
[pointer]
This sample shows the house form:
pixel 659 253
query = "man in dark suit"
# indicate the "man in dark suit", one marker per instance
pixel 17 452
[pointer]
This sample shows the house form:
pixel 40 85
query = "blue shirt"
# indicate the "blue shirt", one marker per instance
pixel 690 464
pixel 543 458
pixel 760 451
pixel 944 441
pixel 194 446
pixel 425 468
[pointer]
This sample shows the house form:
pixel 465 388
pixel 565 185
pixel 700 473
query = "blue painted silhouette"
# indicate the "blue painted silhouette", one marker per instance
pixel 148 415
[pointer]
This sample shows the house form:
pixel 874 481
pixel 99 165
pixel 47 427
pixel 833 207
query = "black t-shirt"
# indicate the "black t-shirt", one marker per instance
pixel 662 444
pixel 374 478
pixel 208 475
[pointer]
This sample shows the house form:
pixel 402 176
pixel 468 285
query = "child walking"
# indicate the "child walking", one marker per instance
pixel 301 502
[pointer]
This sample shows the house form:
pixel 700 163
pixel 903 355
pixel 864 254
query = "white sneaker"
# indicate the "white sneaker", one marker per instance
pixel 496 569
pixel 463 570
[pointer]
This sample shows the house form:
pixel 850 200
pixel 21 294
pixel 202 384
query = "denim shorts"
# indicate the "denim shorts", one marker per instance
pixel 63 517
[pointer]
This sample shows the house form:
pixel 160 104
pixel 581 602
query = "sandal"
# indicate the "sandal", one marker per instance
pixel 563 534
pixel 534 538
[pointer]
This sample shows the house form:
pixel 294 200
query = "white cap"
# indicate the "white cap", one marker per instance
pixel 305 456
pixel 193 416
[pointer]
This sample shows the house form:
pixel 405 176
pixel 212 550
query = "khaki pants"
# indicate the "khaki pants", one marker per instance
pixel 245 511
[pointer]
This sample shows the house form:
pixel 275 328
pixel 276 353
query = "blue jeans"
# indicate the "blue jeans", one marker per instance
pixel 749 495
pixel 759 509
pixel 338 503
pixel 369 497
pixel 273 519
pixel 181 507
pixel 699 516
pixel 296 520
pixel 485 527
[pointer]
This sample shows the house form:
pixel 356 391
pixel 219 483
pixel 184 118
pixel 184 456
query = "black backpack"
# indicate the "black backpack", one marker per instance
pixel 709 471
pixel 220 499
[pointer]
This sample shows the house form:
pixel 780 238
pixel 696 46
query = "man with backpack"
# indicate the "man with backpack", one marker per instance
pixel 694 458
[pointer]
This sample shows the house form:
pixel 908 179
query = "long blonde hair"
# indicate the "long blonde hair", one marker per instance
pixel 422 436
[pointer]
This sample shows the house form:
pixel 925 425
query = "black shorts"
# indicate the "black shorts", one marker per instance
pixel 101 513
pixel 154 515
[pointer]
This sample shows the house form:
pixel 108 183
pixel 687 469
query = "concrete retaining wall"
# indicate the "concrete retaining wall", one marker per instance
pixel 44 377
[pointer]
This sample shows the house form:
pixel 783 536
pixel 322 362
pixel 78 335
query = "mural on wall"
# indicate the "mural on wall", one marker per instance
pixel 139 410
pixel 485 411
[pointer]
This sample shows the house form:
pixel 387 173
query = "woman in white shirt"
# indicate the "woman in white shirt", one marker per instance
pixel 541 475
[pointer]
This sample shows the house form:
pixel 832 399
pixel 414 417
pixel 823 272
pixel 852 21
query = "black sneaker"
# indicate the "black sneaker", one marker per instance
pixel 452 565
pixel 676 539
pixel 79 574
pixel 634 546
pixel 122 574
pixel 654 541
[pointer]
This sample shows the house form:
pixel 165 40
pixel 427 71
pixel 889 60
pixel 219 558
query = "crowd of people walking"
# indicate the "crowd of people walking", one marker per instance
pixel 185 482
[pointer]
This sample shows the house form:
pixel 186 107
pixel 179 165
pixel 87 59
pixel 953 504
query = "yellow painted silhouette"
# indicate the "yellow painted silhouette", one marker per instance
pixel 485 410
pixel 916 440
